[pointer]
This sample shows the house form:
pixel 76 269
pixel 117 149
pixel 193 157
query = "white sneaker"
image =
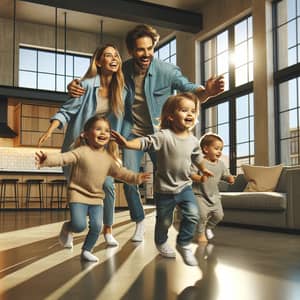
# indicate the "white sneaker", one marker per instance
pixel 139 232
pixel 110 240
pixel 187 255
pixel 209 233
pixel 87 255
pixel 166 250
pixel 65 236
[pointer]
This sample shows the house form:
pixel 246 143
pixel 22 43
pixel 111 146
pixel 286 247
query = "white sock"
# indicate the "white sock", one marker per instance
pixel 139 232
pixel 110 240
pixel 87 255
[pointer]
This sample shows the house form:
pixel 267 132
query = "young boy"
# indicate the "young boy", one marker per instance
pixel 207 191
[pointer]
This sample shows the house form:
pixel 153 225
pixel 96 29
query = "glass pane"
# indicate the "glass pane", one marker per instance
pixel 164 52
pixel 250 72
pixel 46 82
pixel 251 130
pixel 225 155
pixel 241 75
pixel 288 95
pixel 281 12
pixel 46 62
pixel 292 56
pixel 286 157
pixel 291 9
pixel 60 69
pixel 250 50
pixel 173 47
pixel 251 108
pixel 298 7
pixel 292 37
pixel 60 83
pixel 240 31
pixel 69 65
pixel 173 60
pixel 210 68
pixel 242 130
pixel 243 150
pixel 288 122
pixel 223 63
pixel 208 49
pixel 242 107
pixel 28 59
pixel 81 65
pixel 223 112
pixel 223 132
pixel 210 117
pixel 27 79
pixel 282 47
pixel 250 27
pixel 241 54
pixel 222 42
pixel 226 79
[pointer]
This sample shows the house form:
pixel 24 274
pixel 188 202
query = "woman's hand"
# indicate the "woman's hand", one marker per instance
pixel 44 138
pixel 75 90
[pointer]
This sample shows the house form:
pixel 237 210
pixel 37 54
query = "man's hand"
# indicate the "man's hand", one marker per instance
pixel 214 86
pixel 75 90
pixel 230 179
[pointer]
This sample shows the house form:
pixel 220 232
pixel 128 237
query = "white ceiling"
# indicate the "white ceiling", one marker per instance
pixel 41 14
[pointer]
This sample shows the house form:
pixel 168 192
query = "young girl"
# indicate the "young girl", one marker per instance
pixel 91 163
pixel 104 86
pixel 207 193
pixel 176 149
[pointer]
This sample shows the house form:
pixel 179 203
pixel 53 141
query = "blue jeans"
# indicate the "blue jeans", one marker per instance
pixel 165 205
pixel 79 211
pixel 109 201
pixel 132 161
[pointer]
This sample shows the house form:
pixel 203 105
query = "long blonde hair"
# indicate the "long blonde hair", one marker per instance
pixel 116 85
pixel 172 104
pixel 112 147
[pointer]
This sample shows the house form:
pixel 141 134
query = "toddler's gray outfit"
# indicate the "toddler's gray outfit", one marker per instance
pixel 208 195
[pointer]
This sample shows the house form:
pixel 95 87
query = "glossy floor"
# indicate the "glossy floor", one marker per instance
pixel 240 264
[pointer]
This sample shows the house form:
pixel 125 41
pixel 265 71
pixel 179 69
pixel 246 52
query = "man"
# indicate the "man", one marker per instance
pixel 149 83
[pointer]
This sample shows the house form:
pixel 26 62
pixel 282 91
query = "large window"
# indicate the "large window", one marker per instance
pixel 230 114
pixel 167 52
pixel 287 80
pixel 49 70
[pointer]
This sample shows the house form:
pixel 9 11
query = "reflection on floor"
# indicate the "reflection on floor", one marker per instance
pixel 240 264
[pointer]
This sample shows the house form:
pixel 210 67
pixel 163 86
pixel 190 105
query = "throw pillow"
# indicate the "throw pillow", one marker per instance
pixel 261 179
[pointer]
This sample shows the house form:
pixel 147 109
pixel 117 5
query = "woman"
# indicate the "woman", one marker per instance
pixel 104 86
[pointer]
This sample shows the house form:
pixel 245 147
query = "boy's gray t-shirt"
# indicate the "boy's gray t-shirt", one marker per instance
pixel 209 189
pixel 174 159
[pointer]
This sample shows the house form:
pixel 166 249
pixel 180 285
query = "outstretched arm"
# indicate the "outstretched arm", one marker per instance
pixel 213 87
pixel 134 144
pixel 53 125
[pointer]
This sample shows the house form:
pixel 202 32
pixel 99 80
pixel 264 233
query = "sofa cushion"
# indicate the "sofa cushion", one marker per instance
pixel 261 179
pixel 270 201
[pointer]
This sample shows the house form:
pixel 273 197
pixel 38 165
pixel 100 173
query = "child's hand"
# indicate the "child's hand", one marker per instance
pixel 230 179
pixel 143 177
pixel 207 173
pixel 203 178
pixel 118 138
pixel 40 158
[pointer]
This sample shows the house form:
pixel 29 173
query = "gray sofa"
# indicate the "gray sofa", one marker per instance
pixel 279 209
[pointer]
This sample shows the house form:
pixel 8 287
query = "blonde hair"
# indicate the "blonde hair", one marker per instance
pixel 112 147
pixel 117 83
pixel 172 104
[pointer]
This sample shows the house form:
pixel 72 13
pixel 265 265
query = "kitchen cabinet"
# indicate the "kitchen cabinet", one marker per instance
pixel 33 121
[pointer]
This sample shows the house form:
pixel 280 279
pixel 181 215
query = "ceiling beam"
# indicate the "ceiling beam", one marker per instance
pixel 134 11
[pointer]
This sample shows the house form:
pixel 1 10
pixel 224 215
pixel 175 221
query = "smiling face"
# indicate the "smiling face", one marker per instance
pixel 214 151
pixel 109 61
pixel 184 117
pixel 143 53
pixel 98 135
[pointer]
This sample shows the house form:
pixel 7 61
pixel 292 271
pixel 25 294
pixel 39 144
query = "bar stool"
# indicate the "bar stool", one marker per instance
pixel 4 197
pixel 57 189
pixel 38 183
